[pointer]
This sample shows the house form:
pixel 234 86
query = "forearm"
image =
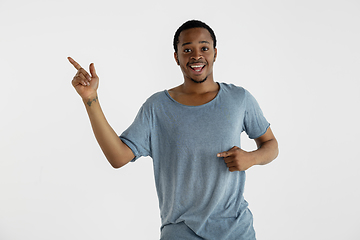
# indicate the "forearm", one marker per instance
pixel 116 152
pixel 266 152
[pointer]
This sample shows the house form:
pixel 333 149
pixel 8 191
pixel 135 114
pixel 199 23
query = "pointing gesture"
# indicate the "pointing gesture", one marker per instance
pixel 85 84
pixel 237 159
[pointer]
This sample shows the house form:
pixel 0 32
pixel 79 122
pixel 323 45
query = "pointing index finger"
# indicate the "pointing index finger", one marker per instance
pixel 227 153
pixel 223 154
pixel 74 63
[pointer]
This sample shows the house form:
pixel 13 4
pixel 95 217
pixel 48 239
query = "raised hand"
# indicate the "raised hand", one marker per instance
pixel 237 159
pixel 85 84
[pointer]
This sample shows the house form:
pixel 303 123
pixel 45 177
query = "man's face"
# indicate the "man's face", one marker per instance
pixel 196 54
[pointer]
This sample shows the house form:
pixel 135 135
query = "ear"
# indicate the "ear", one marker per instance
pixel 215 54
pixel 176 58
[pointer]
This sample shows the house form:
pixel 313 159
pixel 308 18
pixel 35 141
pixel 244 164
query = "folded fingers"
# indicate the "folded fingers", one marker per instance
pixel 82 77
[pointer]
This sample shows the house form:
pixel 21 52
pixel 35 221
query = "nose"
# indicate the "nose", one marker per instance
pixel 196 55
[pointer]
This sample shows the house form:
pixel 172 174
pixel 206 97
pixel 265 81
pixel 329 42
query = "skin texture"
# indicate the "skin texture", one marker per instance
pixel 117 153
pixel 195 48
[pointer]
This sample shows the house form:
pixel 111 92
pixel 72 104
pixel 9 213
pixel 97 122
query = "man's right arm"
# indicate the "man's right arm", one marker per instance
pixel 117 153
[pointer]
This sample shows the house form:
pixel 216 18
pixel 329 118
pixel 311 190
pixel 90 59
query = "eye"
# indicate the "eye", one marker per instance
pixel 187 50
pixel 205 48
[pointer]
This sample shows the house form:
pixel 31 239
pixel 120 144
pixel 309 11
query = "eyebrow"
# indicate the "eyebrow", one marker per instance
pixel 187 43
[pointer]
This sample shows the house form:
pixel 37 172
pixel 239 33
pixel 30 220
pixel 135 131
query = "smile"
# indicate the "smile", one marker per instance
pixel 197 68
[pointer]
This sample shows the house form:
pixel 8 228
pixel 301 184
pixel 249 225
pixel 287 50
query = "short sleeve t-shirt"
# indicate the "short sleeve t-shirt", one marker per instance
pixel 194 186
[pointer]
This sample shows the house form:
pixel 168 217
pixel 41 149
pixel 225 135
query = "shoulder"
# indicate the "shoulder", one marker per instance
pixel 231 88
pixel 154 100
pixel 237 92
pixel 156 97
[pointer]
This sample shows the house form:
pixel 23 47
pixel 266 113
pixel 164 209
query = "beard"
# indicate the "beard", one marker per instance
pixel 201 81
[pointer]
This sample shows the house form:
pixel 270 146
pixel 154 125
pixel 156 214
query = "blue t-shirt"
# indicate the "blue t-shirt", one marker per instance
pixel 194 186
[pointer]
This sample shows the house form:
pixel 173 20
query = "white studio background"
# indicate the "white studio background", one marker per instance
pixel 300 59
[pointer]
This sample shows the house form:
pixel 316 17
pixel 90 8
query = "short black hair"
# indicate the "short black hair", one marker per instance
pixel 192 24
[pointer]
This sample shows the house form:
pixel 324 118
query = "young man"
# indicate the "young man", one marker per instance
pixel 192 132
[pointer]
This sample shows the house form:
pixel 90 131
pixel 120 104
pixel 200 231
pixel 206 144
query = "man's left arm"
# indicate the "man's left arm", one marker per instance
pixel 237 159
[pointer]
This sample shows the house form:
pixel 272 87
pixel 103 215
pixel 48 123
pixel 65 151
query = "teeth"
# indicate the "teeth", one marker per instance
pixel 199 67
pixel 195 66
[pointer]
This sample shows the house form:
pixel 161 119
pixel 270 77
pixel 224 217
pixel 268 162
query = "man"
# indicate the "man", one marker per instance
pixel 192 132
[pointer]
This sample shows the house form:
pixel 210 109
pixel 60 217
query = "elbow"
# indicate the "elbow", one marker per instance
pixel 116 166
pixel 276 148
pixel 117 162
pixel 276 153
pixel 119 157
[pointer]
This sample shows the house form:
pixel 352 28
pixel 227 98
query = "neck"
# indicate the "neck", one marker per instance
pixel 189 86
